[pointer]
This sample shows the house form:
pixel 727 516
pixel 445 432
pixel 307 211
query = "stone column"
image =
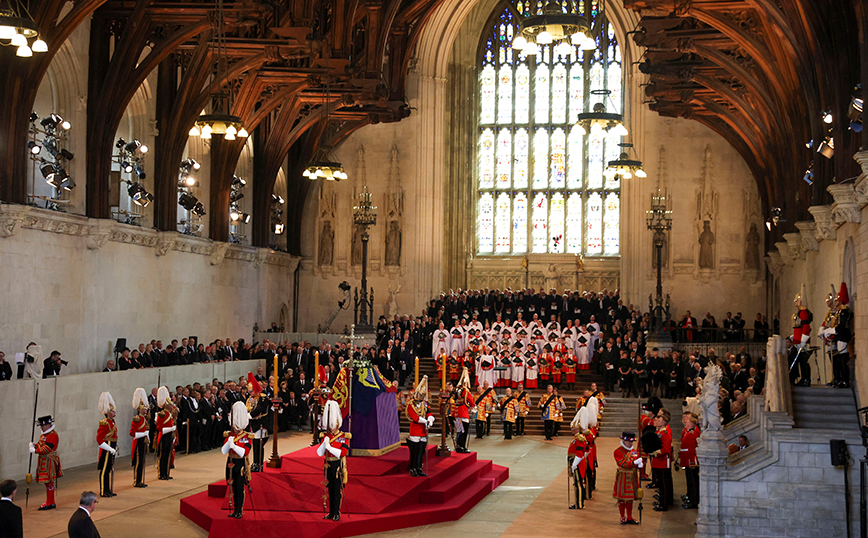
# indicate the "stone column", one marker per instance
pixel 712 455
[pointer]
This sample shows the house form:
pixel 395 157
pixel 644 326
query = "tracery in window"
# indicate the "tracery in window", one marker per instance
pixel 540 183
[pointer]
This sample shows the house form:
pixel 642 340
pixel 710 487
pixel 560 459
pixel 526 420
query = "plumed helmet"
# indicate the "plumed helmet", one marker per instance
pixel 843 296
pixel 331 416
pixel 106 403
pixel 802 297
pixel 464 380
pixel 255 387
pixel 421 391
pixel 593 407
pixel 140 399
pixel 163 396
pixel 240 419
pixel 581 416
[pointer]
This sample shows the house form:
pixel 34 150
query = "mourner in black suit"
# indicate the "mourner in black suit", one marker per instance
pixel 80 524
pixel 11 525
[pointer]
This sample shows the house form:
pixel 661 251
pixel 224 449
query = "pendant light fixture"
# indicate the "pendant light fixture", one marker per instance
pixel 17 28
pixel 323 166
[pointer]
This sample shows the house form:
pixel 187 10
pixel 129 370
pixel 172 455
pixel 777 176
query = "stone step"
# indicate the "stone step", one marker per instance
pixel 825 425
pixel 831 420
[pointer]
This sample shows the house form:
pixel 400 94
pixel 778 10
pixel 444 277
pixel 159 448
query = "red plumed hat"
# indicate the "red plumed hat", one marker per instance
pixel 843 297
pixel 255 387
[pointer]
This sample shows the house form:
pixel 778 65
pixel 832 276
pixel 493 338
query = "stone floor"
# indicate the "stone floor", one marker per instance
pixel 532 501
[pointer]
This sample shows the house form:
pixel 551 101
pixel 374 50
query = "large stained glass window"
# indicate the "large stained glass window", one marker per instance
pixel 539 181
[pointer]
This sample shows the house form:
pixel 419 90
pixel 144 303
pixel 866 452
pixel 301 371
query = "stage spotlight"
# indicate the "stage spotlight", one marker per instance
pixel 199 209
pixel 854 111
pixel 279 228
pixel 66 154
pixel 827 116
pixel 827 148
pixel 132 146
pixel 188 180
pixel 276 199
pixel 188 165
pixel 59 177
pixel 245 218
pixel 234 196
pixel 238 182
pixel 140 171
pixel 33 147
pixel 120 143
pixel 139 195
pixel 67 184
pixel 47 170
pixel 126 166
pixel 187 201
pixel 809 176
pixel 51 122
pixel 234 216
pixel 33 116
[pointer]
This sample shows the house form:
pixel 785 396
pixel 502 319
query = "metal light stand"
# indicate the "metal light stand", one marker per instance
pixel 365 216
pixel 659 221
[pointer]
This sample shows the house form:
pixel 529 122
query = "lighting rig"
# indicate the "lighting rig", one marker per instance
pixel 47 137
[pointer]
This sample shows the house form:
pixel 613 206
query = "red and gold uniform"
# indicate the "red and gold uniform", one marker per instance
pixel 644 422
pixel 577 458
pixel 557 368
pixel 106 435
pixel 334 449
pixel 421 418
pixel 165 423
pixel 48 462
pixel 690 462
pixel 461 402
pixel 661 467
pixel 454 363
pixel 509 409
pixel 139 433
pixel 524 403
pixel 549 404
pixel 626 479
pixel 545 367
pixel 237 446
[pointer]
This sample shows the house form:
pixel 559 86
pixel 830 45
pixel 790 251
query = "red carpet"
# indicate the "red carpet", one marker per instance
pixel 380 496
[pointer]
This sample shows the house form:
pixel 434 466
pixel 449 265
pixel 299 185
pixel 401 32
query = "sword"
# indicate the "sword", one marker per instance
pixel 568 483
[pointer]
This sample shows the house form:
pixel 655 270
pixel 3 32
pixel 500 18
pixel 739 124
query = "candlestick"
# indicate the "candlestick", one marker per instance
pixel 316 369
pixel 274 373
pixel 416 376
pixel 443 383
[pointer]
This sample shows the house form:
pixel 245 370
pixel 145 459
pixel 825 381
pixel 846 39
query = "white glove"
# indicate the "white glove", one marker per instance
pixel 326 441
pixel 139 435
pixel 168 430
pixel 105 446
pixel 422 420
pixel 576 462
pixel 32 449
pixel 333 451
pixel 226 447
pixel 639 463
pixel 238 450
pixel 430 421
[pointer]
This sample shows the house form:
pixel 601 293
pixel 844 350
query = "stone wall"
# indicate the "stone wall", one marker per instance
pixel 783 484
pixel 73 400
pixel 76 285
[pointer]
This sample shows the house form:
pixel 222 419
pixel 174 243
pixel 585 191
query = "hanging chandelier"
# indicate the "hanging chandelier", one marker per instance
pixel 600 121
pixel 18 27
pixel 555 27
pixel 220 122
pixel 625 166
pixel 322 166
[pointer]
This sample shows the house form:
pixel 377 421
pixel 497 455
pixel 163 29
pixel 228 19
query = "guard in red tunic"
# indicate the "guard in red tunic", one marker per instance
pixel 577 457
pixel 460 402
pixel 626 481
pixel 236 446
pixel 48 465
pixel 646 422
pixel 661 462
pixel 570 364
pixel 421 418
pixel 334 448
pixel 688 460
pixel 593 406
pixel 139 431
pixel 107 439
pixel 165 432
pixel 801 339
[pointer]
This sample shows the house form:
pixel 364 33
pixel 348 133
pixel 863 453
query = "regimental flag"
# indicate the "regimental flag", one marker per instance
pixel 341 391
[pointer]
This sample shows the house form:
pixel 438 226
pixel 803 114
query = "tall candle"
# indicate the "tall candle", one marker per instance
pixel 274 374
pixel 416 376
pixel 316 369
pixel 443 383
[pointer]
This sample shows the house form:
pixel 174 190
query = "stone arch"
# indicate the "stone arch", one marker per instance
pixel 283 317
pixel 848 268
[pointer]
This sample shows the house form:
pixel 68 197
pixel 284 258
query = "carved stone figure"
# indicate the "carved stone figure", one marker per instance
pixel 356 258
pixel 393 300
pixel 393 244
pixel 751 255
pixel 326 244
pixel 709 399
pixel 552 278
pixel 706 246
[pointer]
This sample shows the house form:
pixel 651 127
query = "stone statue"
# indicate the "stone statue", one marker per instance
pixel 751 256
pixel 552 278
pixel 326 244
pixel 356 258
pixel 706 246
pixel 709 399
pixel 393 300
pixel 393 244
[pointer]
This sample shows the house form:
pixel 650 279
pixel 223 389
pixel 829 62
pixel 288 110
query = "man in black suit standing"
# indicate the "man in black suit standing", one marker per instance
pixel 11 525
pixel 80 524
pixel 52 365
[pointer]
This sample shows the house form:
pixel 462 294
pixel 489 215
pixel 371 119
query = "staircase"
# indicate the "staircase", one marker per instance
pixel 622 414
pixel 824 408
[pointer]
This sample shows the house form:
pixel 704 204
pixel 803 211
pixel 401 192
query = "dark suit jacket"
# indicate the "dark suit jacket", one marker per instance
pixel 81 525
pixel 5 371
pixel 10 520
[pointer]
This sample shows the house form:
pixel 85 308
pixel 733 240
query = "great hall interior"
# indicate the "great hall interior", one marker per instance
pixel 218 167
